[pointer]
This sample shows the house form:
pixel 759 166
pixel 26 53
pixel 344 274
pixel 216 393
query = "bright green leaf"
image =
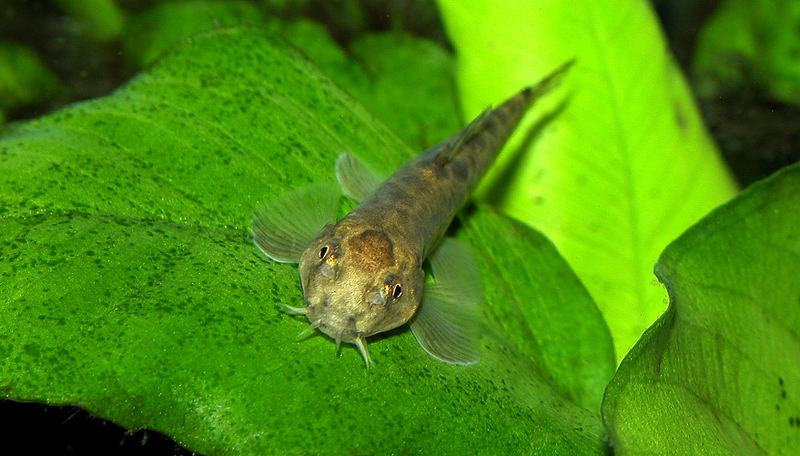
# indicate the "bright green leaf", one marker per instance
pixel 129 284
pixel 719 373
pixel 629 165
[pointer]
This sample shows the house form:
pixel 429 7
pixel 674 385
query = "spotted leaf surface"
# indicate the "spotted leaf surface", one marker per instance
pixel 129 283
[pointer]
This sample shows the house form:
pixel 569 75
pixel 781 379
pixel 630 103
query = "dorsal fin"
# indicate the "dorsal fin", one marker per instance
pixel 518 103
pixel 453 145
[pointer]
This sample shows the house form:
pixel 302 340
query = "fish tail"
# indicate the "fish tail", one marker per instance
pixel 530 94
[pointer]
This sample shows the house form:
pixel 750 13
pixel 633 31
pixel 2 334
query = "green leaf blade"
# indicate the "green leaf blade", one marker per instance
pixel 721 366
pixel 537 301
pixel 749 44
pixel 626 165
pixel 130 286
pixel 383 71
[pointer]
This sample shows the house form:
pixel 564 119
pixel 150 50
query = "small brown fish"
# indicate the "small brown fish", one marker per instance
pixel 364 275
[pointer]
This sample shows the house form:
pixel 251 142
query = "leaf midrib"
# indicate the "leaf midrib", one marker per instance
pixel 636 259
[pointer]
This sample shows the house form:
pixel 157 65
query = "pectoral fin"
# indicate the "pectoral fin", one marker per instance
pixel 284 227
pixel 447 324
pixel 356 180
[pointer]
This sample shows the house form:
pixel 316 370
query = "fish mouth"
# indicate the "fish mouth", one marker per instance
pixel 338 333
pixel 342 328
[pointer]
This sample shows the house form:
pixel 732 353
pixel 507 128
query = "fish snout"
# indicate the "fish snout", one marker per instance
pixel 333 317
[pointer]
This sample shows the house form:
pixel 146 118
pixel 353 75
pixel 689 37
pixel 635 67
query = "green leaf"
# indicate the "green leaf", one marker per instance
pixel 751 41
pixel 719 373
pixel 129 284
pixel 24 79
pixel 628 166
pixel 538 302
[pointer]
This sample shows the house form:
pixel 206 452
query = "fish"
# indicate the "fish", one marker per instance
pixel 365 274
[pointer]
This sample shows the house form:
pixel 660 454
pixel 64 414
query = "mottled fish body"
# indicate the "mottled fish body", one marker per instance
pixel 416 204
pixel 363 275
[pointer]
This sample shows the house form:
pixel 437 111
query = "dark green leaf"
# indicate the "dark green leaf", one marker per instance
pixel 406 82
pixel 538 302
pixel 400 67
pixel 719 373
pixel 101 19
pixel 129 284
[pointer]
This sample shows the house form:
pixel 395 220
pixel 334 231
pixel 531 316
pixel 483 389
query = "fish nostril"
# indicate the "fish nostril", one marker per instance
pixel 352 321
pixel 319 301
pixel 377 299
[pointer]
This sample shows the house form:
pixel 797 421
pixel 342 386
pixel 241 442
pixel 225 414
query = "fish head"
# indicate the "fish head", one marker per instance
pixel 357 282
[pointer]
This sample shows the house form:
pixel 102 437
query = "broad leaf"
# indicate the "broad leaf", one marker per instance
pixel 629 166
pixel 427 118
pixel 129 284
pixel 719 373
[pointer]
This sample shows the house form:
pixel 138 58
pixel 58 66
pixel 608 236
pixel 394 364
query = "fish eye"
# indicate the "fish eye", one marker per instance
pixel 324 251
pixel 397 291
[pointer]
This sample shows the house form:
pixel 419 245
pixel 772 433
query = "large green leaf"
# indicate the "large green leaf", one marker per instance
pixel 404 81
pixel 129 285
pixel 629 166
pixel 428 117
pixel 719 373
